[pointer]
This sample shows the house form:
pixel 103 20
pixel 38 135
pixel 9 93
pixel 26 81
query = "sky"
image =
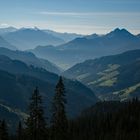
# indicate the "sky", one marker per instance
pixel 74 16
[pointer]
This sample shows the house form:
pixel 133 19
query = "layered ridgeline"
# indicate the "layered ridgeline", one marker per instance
pixel 114 77
pixel 17 81
pixel 29 38
pixel 64 36
pixel 89 47
pixel 4 43
pixel 30 59
pixel 7 30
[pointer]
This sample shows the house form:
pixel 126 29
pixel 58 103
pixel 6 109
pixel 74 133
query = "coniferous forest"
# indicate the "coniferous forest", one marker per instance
pixel 108 120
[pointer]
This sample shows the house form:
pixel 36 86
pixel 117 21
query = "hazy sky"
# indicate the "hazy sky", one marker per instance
pixel 80 16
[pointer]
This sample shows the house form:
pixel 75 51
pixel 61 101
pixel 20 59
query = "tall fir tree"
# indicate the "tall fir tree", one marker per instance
pixel 20 132
pixel 3 131
pixel 36 124
pixel 59 118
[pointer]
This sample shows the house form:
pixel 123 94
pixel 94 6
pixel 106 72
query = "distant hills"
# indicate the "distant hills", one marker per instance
pixel 66 49
pixel 30 59
pixel 65 36
pixel 17 81
pixel 4 43
pixel 7 30
pixel 89 47
pixel 29 38
pixel 114 77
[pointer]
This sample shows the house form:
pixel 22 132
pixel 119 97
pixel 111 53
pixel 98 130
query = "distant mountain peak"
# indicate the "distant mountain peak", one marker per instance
pixel 119 32
pixel 29 29
pixel 7 30
pixel 92 36
pixel 9 27
pixel 36 28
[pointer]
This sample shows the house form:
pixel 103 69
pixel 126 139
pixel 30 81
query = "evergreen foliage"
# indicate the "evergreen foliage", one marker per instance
pixel 20 132
pixel 59 120
pixel 108 120
pixel 36 123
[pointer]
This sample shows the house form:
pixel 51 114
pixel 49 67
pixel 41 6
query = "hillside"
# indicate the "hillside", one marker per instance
pixel 111 77
pixel 21 80
pixel 107 121
pixel 30 59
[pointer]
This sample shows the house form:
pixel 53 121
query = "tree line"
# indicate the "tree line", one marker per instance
pixel 35 126
pixel 104 121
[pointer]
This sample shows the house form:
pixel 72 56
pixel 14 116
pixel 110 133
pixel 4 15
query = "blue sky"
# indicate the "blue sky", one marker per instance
pixel 79 16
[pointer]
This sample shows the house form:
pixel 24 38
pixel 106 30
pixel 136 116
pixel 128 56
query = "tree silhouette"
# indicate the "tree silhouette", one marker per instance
pixel 59 118
pixel 36 124
pixel 20 132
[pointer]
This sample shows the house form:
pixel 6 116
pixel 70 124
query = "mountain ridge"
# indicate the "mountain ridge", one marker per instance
pixel 27 38
pixel 22 79
pixel 4 43
pixel 30 59
pixel 110 77
pixel 80 49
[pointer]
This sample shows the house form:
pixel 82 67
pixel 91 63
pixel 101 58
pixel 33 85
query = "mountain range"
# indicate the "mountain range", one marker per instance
pixel 65 49
pixel 89 47
pixel 7 30
pixel 65 36
pixel 29 38
pixel 17 81
pixel 98 67
pixel 30 59
pixel 25 78
pixel 114 77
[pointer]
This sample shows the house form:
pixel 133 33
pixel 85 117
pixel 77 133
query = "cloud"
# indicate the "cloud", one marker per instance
pixel 77 14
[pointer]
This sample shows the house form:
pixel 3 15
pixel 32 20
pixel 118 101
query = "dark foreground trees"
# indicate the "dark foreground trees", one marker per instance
pixel 59 122
pixel 110 120
pixel 36 124
pixel 20 132
pixel 36 128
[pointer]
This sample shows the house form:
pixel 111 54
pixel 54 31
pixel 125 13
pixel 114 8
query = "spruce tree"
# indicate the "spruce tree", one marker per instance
pixel 59 118
pixel 20 132
pixel 36 124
